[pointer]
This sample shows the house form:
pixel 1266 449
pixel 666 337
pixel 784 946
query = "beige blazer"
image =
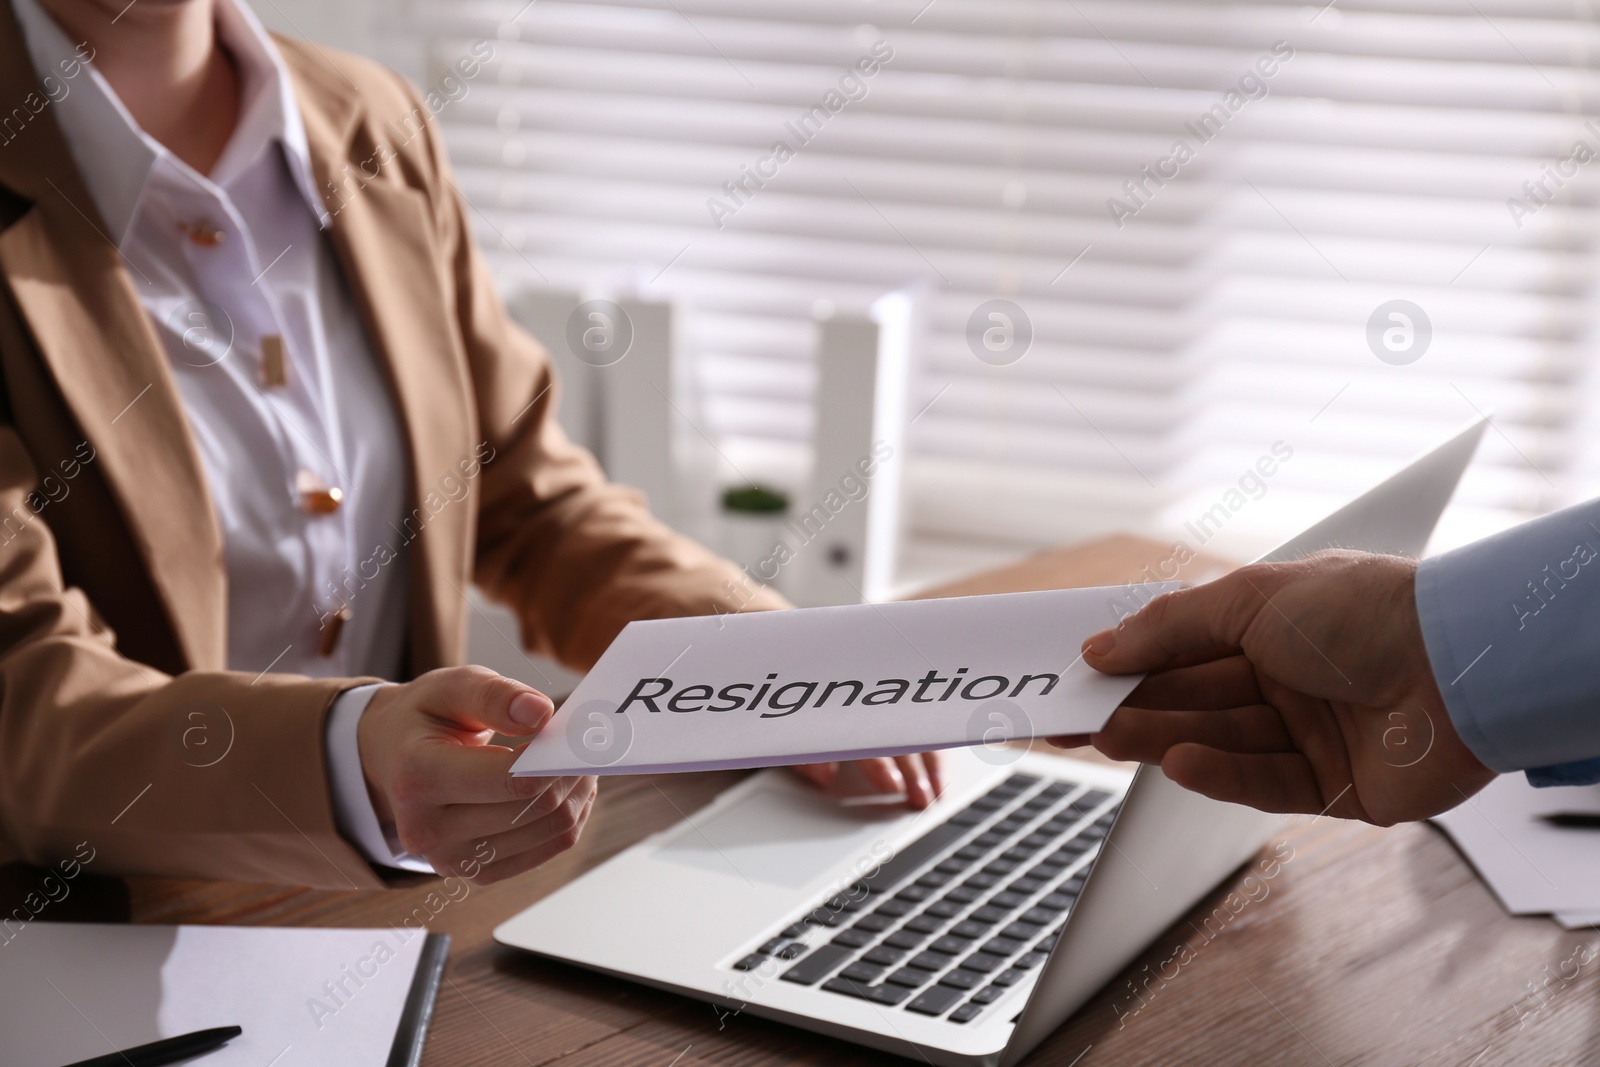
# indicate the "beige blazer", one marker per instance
pixel 112 587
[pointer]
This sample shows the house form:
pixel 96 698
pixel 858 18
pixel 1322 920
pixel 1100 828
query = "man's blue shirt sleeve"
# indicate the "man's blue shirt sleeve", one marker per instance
pixel 1512 625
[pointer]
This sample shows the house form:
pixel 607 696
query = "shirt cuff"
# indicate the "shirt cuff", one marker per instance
pixel 1506 622
pixel 352 804
pixel 1583 772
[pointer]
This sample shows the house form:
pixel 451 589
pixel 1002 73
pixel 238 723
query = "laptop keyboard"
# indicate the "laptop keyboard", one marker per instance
pixel 959 915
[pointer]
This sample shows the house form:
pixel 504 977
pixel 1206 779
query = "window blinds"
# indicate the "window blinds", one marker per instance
pixel 1206 215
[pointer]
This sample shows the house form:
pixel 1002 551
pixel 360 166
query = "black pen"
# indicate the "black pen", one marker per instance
pixel 167 1050
pixel 1573 820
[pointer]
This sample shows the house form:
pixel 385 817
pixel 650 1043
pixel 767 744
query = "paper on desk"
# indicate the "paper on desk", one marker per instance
pixel 70 991
pixel 815 684
pixel 1531 866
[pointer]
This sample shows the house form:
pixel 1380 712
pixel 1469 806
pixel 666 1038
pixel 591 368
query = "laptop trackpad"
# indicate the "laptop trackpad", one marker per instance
pixel 778 838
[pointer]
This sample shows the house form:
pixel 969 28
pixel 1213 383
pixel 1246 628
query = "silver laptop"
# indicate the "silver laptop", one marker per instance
pixel 963 934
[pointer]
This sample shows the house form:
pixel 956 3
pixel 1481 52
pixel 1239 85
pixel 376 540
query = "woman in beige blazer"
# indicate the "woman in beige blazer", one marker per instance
pixel 114 601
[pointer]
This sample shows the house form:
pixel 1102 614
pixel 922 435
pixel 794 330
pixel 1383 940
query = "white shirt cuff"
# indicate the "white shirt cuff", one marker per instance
pixel 352 804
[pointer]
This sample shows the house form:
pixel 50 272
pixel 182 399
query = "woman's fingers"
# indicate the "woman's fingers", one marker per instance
pixel 919 791
pixel 933 765
pixel 508 865
pixel 821 775
pixel 920 776
pixel 462 821
pixel 554 832
pixel 883 774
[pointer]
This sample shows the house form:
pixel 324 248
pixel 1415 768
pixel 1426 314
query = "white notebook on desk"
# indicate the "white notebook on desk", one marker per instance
pixel 71 991
pixel 1532 866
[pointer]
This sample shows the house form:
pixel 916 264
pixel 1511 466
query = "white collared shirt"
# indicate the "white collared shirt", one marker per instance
pixel 238 279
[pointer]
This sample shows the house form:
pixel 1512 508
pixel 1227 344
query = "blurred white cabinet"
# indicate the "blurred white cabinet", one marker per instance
pixel 622 389
pixel 848 527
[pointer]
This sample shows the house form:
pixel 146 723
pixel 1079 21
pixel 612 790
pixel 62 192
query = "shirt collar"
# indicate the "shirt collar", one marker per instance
pixel 116 158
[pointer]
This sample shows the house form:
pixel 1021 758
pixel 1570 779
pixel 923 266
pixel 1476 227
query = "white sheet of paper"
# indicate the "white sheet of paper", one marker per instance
pixel 1531 866
pixel 725 691
pixel 70 991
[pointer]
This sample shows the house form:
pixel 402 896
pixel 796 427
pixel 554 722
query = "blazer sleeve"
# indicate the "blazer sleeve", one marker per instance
pixel 575 556
pixel 109 763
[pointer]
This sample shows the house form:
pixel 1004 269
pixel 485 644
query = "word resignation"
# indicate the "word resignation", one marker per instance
pixel 775 701
pixel 810 685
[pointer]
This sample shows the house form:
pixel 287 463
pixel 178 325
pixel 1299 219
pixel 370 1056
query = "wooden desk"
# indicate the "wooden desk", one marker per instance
pixel 1369 946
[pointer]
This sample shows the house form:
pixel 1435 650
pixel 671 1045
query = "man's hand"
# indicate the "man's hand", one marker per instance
pixel 1292 687
pixel 433 774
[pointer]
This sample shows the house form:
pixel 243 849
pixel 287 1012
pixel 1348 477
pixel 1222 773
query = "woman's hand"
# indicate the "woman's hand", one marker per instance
pixel 919 776
pixel 434 776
